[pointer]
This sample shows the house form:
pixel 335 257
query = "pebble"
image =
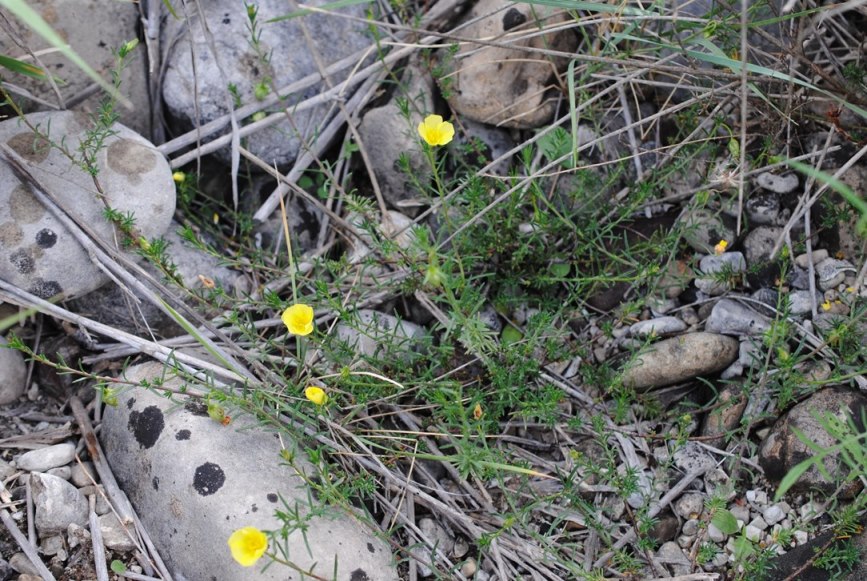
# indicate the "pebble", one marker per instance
pixel 671 554
pixel 691 457
pixel 13 373
pixel 680 358
pixel 689 316
pixel 114 535
pixel 22 564
pixel 832 272
pixel 730 317
pixel 46 458
pixel 6 469
pixel 731 263
pixel 800 302
pixel 782 184
pixel 741 513
pixel 714 534
pixel 759 523
pixel 660 306
pixel 803 260
pixel 380 334
pixel 690 527
pixel 759 243
pixel 801 537
pixel 83 474
pixel 763 208
pixel 658 327
pixel 469 568
pixel 773 514
pixel 61 472
pixel 704 229
pixel 689 506
pixel 77 535
pixel 752 533
pixel 798 278
pixel 759 497
pixel 57 502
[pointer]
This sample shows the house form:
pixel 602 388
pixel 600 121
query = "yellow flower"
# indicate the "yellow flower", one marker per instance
pixel 478 412
pixel 316 395
pixel 435 131
pixel 179 177
pixel 721 246
pixel 826 306
pixel 298 319
pixel 248 545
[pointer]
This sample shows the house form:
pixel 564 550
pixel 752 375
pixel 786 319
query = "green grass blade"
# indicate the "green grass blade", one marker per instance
pixel 835 184
pixel 17 66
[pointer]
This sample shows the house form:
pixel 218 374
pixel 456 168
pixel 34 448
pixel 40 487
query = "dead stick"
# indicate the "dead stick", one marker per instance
pixel 96 542
pixel 25 545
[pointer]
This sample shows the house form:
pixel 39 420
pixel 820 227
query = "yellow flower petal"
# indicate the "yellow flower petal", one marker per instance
pixel 721 246
pixel 179 177
pixel 316 394
pixel 435 131
pixel 248 544
pixel 298 319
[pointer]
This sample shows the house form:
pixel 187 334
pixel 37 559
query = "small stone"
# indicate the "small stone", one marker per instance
pixel 714 534
pixel 659 306
pixel 832 272
pixel 6 469
pixel 773 514
pixel 13 373
pixel 83 474
pixel 704 229
pixel 670 554
pixel 488 315
pixel 763 208
pixel 469 568
pixel 689 506
pixel 741 513
pixel 46 458
pixel 733 262
pixel 685 541
pixel 767 296
pixel 800 302
pixel 77 535
pixel 690 527
pixel 759 523
pixel 58 503
pixel 758 497
pixel 691 457
pixel 659 327
pixel 717 482
pixel 689 316
pixel 759 244
pixel 730 317
pixel 22 564
pixel 782 184
pixel 461 547
pixel 376 334
pixel 53 545
pixel 752 533
pixel 798 278
pixel 114 535
pixel 801 537
pixel 803 260
pixel 61 472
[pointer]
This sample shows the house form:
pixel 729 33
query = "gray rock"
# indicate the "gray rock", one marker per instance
pixel 375 334
pixel 782 449
pixel 83 474
pixel 95 35
pixel 40 255
pixel 112 306
pixel 13 373
pixel 6 469
pixel 488 315
pixel 773 514
pixel 759 244
pixel 759 523
pixel 390 136
pixel 798 278
pixel 763 208
pixel 496 142
pixel 803 260
pixel 689 506
pixel 690 456
pixel 727 266
pixel 499 85
pixel 742 513
pixel 435 533
pixel 800 303
pixel 714 534
pixel 114 535
pixel 726 417
pixel 767 296
pixel 193 482
pixel 46 458
pixel 704 229
pixel 53 545
pixel 730 317
pixel 673 556
pixel 680 358
pixel 659 327
pixel 753 533
pixel 22 564
pixel 690 527
pixel 784 184
pixel 831 272
pixel 61 472
pixel 58 504
pixel 207 96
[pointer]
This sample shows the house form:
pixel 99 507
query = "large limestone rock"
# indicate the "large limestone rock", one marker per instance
pixel 194 481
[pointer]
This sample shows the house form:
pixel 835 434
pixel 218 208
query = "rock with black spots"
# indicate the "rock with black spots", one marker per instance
pixel 704 229
pixel 37 252
pixel 194 481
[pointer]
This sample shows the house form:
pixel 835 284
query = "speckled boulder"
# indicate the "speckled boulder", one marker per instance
pixel 194 481
pixel 38 253
pixel 503 86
